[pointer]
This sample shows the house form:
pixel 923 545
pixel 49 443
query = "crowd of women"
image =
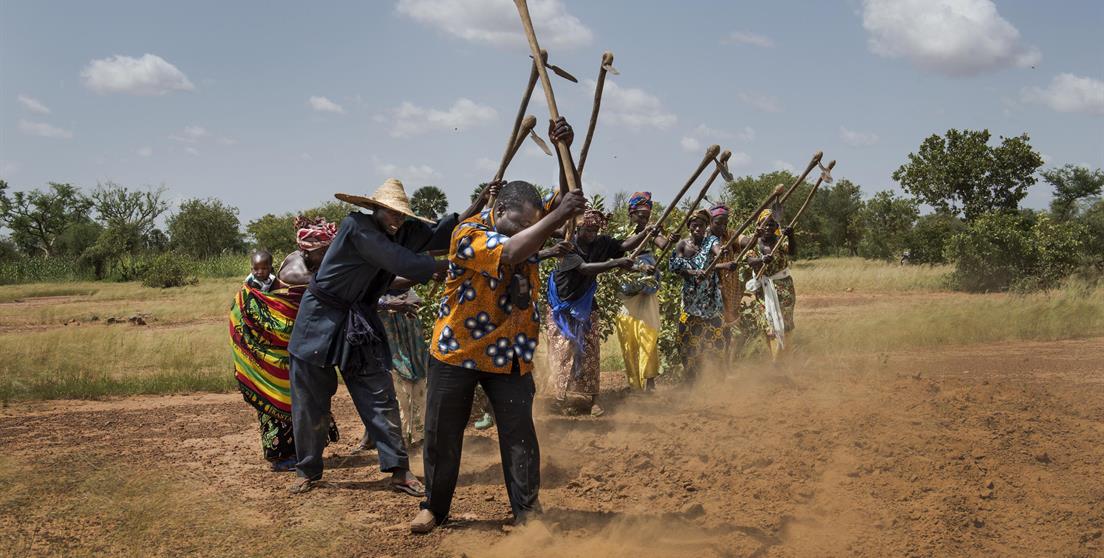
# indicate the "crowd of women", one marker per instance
pixel 343 303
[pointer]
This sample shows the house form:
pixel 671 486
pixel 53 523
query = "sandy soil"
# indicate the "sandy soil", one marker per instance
pixel 972 451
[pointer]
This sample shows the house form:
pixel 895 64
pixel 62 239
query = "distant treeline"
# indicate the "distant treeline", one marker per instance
pixel 973 190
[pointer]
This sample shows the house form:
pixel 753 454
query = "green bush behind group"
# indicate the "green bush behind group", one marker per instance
pixel 960 205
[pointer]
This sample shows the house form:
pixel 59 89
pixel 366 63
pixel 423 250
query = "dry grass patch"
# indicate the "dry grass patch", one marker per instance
pixel 837 275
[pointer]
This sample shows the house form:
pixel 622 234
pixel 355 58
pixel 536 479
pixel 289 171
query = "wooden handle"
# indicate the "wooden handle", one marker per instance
pixel 553 111
pixel 607 59
pixel 808 198
pixel 527 125
pixel 812 165
pixel 774 195
pixel 710 155
pixel 701 195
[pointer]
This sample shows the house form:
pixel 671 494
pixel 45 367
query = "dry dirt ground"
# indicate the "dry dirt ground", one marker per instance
pixel 973 451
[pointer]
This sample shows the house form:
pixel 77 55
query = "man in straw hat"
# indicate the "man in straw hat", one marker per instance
pixel 486 333
pixel 337 325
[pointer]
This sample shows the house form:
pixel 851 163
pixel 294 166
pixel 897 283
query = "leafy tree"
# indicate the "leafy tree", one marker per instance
pixel 928 239
pixel 8 250
pixel 77 237
pixel 1073 184
pixel 276 233
pixel 37 218
pixel 961 172
pixel 839 206
pixel 886 221
pixel 204 228
pixel 429 202
pixel 119 207
pixel 1093 221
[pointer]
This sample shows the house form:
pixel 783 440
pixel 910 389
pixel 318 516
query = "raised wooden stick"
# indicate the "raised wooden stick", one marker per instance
pixel 710 155
pixel 776 195
pixel 607 63
pixel 721 164
pixel 526 128
pixel 553 112
pixel 825 175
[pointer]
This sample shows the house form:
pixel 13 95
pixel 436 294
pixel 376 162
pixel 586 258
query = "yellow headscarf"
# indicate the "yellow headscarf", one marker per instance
pixel 763 216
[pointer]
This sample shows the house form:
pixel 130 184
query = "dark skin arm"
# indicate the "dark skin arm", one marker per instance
pixel 601 267
pixel 559 131
pixel 630 243
pixel 560 250
pixel 529 241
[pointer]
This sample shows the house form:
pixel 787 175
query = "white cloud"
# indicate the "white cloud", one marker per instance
pixel 43 129
pixel 192 150
pixel 633 108
pixel 1069 93
pixel 950 37
pixel 411 120
pixel 690 144
pixel 33 105
pixel 322 104
pixel 145 151
pixel 739 159
pixel 496 22
pixel 305 156
pixel 758 101
pixel 8 168
pixel 781 165
pixel 746 38
pixel 856 138
pixel 412 176
pixel 148 75
pixel 191 134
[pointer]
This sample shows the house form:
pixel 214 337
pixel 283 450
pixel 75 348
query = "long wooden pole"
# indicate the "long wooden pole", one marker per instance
pixel 778 192
pixel 511 142
pixel 607 61
pixel 721 162
pixel 565 154
pixel 782 197
pixel 778 243
pixel 710 155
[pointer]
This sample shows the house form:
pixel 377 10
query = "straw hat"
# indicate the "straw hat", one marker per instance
pixel 390 195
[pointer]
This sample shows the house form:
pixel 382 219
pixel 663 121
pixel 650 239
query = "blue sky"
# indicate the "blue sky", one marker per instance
pixel 274 106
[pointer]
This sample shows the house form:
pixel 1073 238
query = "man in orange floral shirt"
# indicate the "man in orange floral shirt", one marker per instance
pixel 486 333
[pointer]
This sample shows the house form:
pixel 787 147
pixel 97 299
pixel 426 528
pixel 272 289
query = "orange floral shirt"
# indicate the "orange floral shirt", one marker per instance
pixel 478 326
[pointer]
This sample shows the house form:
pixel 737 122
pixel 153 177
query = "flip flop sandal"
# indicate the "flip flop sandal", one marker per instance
pixel 413 487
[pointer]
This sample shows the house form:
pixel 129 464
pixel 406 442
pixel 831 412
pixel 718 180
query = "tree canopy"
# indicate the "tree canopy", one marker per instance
pixel 960 172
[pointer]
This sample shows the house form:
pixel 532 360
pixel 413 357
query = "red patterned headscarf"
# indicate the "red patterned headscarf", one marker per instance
pixel 313 233
pixel 594 218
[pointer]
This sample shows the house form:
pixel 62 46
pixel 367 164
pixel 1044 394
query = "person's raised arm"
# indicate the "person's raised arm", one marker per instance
pixel 602 267
pixel 559 131
pixel 529 241
pixel 630 243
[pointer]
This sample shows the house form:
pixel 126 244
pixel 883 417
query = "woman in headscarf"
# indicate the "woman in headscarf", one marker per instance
pixel 260 327
pixel 732 288
pixel 571 325
pixel 638 324
pixel 701 322
pixel 775 297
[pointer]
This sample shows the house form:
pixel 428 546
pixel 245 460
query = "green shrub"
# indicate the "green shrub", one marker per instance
pixel 1021 251
pixel 927 241
pixel 168 270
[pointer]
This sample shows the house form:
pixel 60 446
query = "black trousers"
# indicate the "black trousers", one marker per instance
pixel 373 393
pixel 449 396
